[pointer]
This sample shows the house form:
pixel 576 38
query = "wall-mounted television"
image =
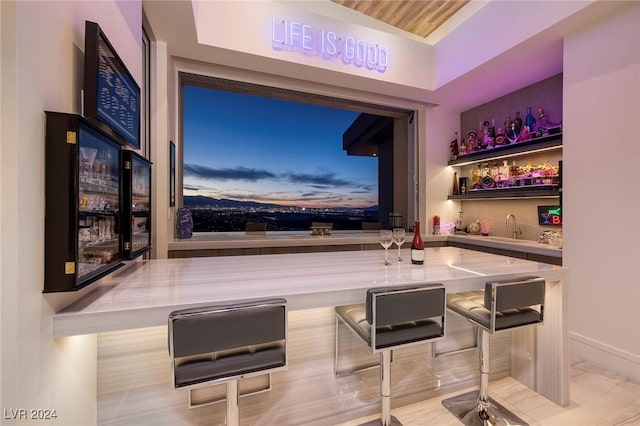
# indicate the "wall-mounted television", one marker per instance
pixel 111 95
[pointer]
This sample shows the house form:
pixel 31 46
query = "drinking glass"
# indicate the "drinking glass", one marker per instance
pixel 87 157
pixel 398 238
pixel 386 239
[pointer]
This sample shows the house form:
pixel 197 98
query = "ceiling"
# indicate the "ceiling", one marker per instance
pixel 419 17
pixel 172 21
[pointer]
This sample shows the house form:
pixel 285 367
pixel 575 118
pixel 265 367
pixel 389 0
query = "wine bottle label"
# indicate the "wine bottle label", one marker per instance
pixel 417 255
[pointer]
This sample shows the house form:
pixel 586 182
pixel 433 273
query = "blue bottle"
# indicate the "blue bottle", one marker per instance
pixel 529 121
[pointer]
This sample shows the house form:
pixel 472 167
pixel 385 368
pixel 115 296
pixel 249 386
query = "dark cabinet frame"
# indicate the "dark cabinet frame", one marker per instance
pixel 62 207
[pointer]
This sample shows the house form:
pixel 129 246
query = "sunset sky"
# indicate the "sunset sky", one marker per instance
pixel 249 148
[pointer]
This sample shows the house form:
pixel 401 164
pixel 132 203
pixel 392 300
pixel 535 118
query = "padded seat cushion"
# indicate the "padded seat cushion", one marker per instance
pixel 389 335
pixel 249 361
pixel 470 304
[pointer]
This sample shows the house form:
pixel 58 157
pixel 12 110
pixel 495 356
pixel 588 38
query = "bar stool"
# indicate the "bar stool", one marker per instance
pixel 392 318
pixel 503 305
pixel 224 343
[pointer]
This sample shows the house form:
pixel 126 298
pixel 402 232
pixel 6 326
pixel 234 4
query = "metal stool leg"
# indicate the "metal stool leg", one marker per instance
pixel 475 408
pixel 233 414
pixel 386 419
pixel 385 387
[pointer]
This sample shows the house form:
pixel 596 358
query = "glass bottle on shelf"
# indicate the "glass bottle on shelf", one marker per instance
pixel 471 142
pixel 505 172
pixel 512 134
pixel 543 122
pixel 455 190
pixel 455 147
pixel 476 177
pixel 529 121
pixel 500 137
pixel 513 170
pixel 459 227
pixel 517 122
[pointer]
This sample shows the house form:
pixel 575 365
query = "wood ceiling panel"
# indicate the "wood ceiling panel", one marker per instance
pixel 420 17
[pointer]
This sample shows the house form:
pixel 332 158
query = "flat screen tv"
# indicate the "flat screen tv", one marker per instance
pixel 111 95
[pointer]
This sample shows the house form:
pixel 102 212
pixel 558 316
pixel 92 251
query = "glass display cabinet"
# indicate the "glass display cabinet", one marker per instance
pixel 82 203
pixel 136 205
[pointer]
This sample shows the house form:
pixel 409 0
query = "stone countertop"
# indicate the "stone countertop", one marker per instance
pixel 237 240
pixel 524 246
pixel 144 293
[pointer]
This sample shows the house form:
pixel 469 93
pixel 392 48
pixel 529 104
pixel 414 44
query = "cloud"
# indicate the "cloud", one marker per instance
pixel 192 187
pixel 317 181
pixel 239 173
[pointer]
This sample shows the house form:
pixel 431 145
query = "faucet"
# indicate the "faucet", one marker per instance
pixel 515 230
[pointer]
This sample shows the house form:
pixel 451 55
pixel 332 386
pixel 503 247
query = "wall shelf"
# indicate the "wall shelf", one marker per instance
pixel 545 143
pixel 543 191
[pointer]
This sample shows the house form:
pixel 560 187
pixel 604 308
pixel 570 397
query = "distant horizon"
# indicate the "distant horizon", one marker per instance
pixel 255 149
pixel 189 200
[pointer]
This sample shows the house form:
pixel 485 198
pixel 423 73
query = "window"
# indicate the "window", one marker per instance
pixel 262 155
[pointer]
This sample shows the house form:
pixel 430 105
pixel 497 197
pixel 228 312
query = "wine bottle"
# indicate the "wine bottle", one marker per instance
pixel 417 246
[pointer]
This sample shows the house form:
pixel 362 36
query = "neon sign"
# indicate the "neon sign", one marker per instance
pixel 549 216
pixel 296 37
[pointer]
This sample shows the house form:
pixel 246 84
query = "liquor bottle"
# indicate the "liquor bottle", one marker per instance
pixel 454 147
pixel 459 227
pixel 543 121
pixel 529 120
pixel 417 246
pixel 517 122
pixel 476 177
pixel 456 190
pixel 508 131
pixel 462 150
pixel 505 172
pixel 436 225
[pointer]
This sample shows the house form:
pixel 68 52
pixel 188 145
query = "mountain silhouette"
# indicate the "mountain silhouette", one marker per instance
pixel 203 201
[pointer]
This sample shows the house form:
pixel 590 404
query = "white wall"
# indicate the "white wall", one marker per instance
pixel 494 29
pixel 441 124
pixel 601 197
pixel 247 27
pixel 42 54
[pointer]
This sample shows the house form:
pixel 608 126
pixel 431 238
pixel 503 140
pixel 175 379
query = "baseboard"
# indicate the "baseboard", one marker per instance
pixel 612 358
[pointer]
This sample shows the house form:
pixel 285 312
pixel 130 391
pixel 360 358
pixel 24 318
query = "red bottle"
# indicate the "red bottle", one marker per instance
pixel 417 246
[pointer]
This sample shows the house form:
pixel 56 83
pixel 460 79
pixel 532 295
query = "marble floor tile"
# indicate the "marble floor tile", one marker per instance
pixel 598 398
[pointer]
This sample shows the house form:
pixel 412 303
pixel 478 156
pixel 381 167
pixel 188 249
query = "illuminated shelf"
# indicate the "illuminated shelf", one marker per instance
pixel 541 191
pixel 546 143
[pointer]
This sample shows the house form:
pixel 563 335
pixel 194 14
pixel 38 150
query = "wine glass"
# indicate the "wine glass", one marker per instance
pixel 398 238
pixel 386 239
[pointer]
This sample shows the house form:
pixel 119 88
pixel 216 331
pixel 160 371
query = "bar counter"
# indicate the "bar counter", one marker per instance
pixel 128 312
pixel 144 294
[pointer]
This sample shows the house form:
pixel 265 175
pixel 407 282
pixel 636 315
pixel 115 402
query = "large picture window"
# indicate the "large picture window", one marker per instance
pixel 277 164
